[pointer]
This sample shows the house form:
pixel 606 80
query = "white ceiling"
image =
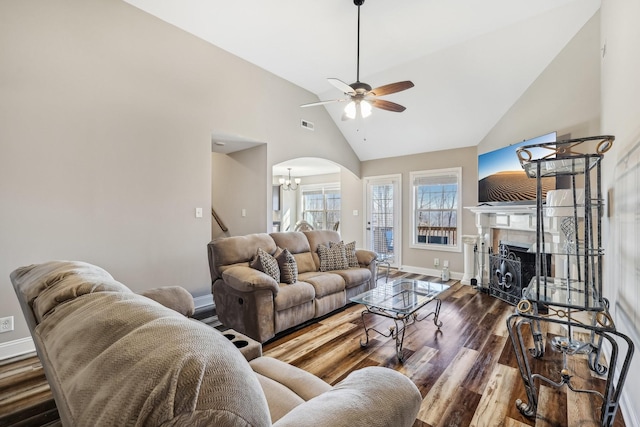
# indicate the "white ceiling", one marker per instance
pixel 305 166
pixel 470 60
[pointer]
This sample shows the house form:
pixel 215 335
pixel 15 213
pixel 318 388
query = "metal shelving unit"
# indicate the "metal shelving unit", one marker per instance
pixel 571 297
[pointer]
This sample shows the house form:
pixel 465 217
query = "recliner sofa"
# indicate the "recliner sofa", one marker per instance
pixel 116 358
pixel 255 304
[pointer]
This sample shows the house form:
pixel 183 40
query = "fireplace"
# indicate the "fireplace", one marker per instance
pixel 501 256
pixel 511 269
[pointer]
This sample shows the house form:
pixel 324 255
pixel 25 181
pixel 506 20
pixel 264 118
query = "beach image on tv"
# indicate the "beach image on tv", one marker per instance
pixel 502 179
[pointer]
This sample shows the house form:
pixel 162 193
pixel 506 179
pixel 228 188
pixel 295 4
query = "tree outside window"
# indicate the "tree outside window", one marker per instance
pixel 436 208
pixel 321 206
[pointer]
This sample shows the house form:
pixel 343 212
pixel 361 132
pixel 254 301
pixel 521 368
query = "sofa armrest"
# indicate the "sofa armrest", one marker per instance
pixel 247 279
pixel 174 297
pixel 365 257
pixel 372 396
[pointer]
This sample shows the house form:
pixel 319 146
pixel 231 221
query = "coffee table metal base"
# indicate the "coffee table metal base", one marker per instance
pixel 401 322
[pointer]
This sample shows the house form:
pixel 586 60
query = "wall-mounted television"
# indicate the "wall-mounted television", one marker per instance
pixel 501 178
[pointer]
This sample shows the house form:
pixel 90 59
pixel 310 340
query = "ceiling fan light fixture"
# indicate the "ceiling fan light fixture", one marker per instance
pixel 357 108
pixel 365 109
pixel 350 110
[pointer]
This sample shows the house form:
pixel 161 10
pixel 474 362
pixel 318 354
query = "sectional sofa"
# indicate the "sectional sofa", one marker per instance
pixel 116 358
pixel 260 302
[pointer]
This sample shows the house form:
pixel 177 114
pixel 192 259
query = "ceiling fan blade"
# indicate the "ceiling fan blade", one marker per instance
pixel 313 104
pixel 387 105
pixel 392 88
pixel 342 86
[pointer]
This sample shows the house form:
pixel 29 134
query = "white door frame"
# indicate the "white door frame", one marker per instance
pixel 396 180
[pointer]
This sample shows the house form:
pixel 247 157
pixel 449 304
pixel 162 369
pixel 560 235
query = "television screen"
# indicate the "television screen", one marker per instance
pixel 501 178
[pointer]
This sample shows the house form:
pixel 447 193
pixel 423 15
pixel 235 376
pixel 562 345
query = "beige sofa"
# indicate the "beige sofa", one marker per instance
pixel 116 358
pixel 254 303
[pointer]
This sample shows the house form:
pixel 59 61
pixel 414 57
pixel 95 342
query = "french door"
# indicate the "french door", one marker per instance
pixel 383 233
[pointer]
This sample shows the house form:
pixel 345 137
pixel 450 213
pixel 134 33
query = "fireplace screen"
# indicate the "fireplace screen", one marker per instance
pixel 506 275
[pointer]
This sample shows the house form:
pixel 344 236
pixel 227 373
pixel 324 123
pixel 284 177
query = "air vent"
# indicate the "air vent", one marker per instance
pixel 306 124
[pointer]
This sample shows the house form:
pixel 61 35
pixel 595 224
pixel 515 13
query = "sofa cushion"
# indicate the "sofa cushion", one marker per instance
pixel 332 258
pixel 323 283
pixel 285 385
pixel 354 276
pixel 295 241
pixel 293 295
pixel 320 237
pixel 287 265
pixel 267 264
pixel 298 245
pixel 351 402
pixel 304 262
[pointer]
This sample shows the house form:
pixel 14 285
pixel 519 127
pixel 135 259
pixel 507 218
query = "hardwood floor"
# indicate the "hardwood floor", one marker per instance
pixel 25 397
pixel 466 372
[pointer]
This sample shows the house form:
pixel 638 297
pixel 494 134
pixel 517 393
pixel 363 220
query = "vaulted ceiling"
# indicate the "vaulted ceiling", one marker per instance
pixel 470 60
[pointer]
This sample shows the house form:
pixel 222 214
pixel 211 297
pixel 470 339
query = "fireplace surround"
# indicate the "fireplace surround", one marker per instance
pixel 514 225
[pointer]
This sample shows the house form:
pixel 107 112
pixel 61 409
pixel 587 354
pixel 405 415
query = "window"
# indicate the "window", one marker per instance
pixel 321 205
pixel 436 209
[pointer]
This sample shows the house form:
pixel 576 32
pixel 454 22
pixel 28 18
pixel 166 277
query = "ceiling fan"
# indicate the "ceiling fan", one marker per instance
pixel 361 96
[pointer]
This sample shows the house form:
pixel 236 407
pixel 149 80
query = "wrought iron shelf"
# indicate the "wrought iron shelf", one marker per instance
pixel 566 293
pixel 573 298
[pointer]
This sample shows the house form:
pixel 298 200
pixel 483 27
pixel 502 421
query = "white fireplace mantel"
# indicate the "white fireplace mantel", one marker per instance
pixel 514 217
pixel 520 217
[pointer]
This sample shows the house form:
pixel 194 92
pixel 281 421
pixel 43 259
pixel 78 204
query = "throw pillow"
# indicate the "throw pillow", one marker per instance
pixel 288 266
pixel 350 252
pixel 352 259
pixel 333 258
pixel 266 263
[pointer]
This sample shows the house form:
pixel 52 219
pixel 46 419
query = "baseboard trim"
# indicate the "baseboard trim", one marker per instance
pixel 16 348
pixel 429 272
pixel 203 301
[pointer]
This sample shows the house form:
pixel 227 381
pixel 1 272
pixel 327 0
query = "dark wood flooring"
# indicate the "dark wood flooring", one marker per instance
pixel 466 372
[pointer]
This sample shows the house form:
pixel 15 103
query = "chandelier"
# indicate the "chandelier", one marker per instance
pixel 286 183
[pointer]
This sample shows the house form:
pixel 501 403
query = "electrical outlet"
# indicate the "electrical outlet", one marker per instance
pixel 445 263
pixel 6 324
pixel 436 262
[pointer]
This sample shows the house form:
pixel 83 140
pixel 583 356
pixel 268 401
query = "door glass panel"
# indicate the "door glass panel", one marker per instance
pixel 383 230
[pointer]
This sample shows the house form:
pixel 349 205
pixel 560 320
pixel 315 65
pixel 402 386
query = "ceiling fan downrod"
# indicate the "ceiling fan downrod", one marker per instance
pixel 358 3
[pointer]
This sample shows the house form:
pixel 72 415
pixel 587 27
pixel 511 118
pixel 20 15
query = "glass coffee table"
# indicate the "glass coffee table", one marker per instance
pixel 400 301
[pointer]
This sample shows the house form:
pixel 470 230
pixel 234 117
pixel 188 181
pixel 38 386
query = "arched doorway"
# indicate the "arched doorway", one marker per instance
pixel 306 193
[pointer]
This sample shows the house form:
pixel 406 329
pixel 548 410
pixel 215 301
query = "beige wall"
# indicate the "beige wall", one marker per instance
pixel 621 117
pixel 565 98
pixel 106 117
pixel 351 226
pixel 238 186
pixel 464 157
